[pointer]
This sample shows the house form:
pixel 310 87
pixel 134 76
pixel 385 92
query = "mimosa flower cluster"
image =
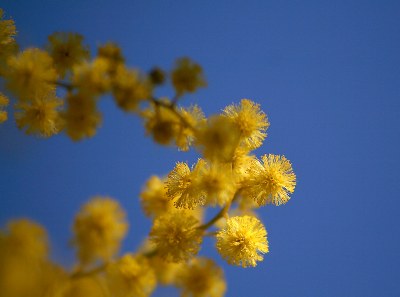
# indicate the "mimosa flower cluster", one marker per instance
pixel 56 89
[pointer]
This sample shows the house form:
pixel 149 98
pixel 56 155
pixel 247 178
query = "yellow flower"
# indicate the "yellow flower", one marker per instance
pixel 154 199
pixel 252 123
pixel 40 115
pixel 30 73
pixel 161 123
pixel 270 182
pixel 131 276
pixel 218 139
pixel 24 266
pixel 166 125
pixel 3 116
pixel 99 229
pixel 21 277
pixel 24 239
pixel 3 103
pixel 215 184
pixel 129 88
pixel 165 271
pixel 84 287
pixel 67 50
pixel 241 162
pixel 193 117
pixel 181 185
pixel 176 236
pixel 187 76
pixel 202 278
pixel 91 78
pixel 81 117
pixel 111 52
pixel 242 241
pixel 8 31
pixel 155 202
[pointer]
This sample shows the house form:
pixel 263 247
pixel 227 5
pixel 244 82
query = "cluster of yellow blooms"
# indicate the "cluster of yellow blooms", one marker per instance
pixel 227 176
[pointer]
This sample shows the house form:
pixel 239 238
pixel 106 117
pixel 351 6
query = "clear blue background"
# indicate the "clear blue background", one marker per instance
pixel 326 73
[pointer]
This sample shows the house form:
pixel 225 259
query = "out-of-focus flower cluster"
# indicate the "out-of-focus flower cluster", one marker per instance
pixel 227 175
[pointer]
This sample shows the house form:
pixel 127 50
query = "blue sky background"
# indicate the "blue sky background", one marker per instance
pixel 326 73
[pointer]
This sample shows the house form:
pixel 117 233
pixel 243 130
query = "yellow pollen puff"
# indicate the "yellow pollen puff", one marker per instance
pixel 154 199
pixel 166 125
pixel 40 115
pixel 176 236
pixel 8 46
pixel 99 228
pixel 30 73
pixel 243 241
pixel 67 50
pixel 201 278
pixel 187 76
pixel 81 118
pixel 182 187
pixel 166 272
pixel 129 88
pixel 270 181
pixel 24 239
pixel 112 53
pixel 84 287
pixel 215 184
pixel 218 139
pixel 3 103
pixel 91 78
pixel 252 123
pixel 131 276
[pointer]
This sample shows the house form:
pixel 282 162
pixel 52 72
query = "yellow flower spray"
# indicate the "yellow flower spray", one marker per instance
pixel 227 175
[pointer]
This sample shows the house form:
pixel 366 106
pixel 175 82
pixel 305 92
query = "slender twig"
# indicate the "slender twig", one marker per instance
pixel 221 213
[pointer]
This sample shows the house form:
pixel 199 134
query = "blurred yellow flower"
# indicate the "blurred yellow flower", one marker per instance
pixel 243 241
pixel 182 187
pixel 81 118
pixel 176 237
pixel 201 278
pixel 129 88
pixel 8 46
pixel 154 199
pixel 218 139
pixel 29 73
pixel 194 117
pixel 84 287
pixel 91 78
pixel 187 76
pixel 167 125
pixel 112 53
pixel 3 103
pixel 24 239
pixel 67 50
pixel 40 115
pixel 99 228
pixel 166 272
pixel 215 184
pixel 131 276
pixel 270 182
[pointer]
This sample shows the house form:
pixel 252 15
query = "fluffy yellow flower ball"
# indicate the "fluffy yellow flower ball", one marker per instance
pixel 201 278
pixel 99 229
pixel 271 181
pixel 243 241
pixel 176 236
pixel 131 276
